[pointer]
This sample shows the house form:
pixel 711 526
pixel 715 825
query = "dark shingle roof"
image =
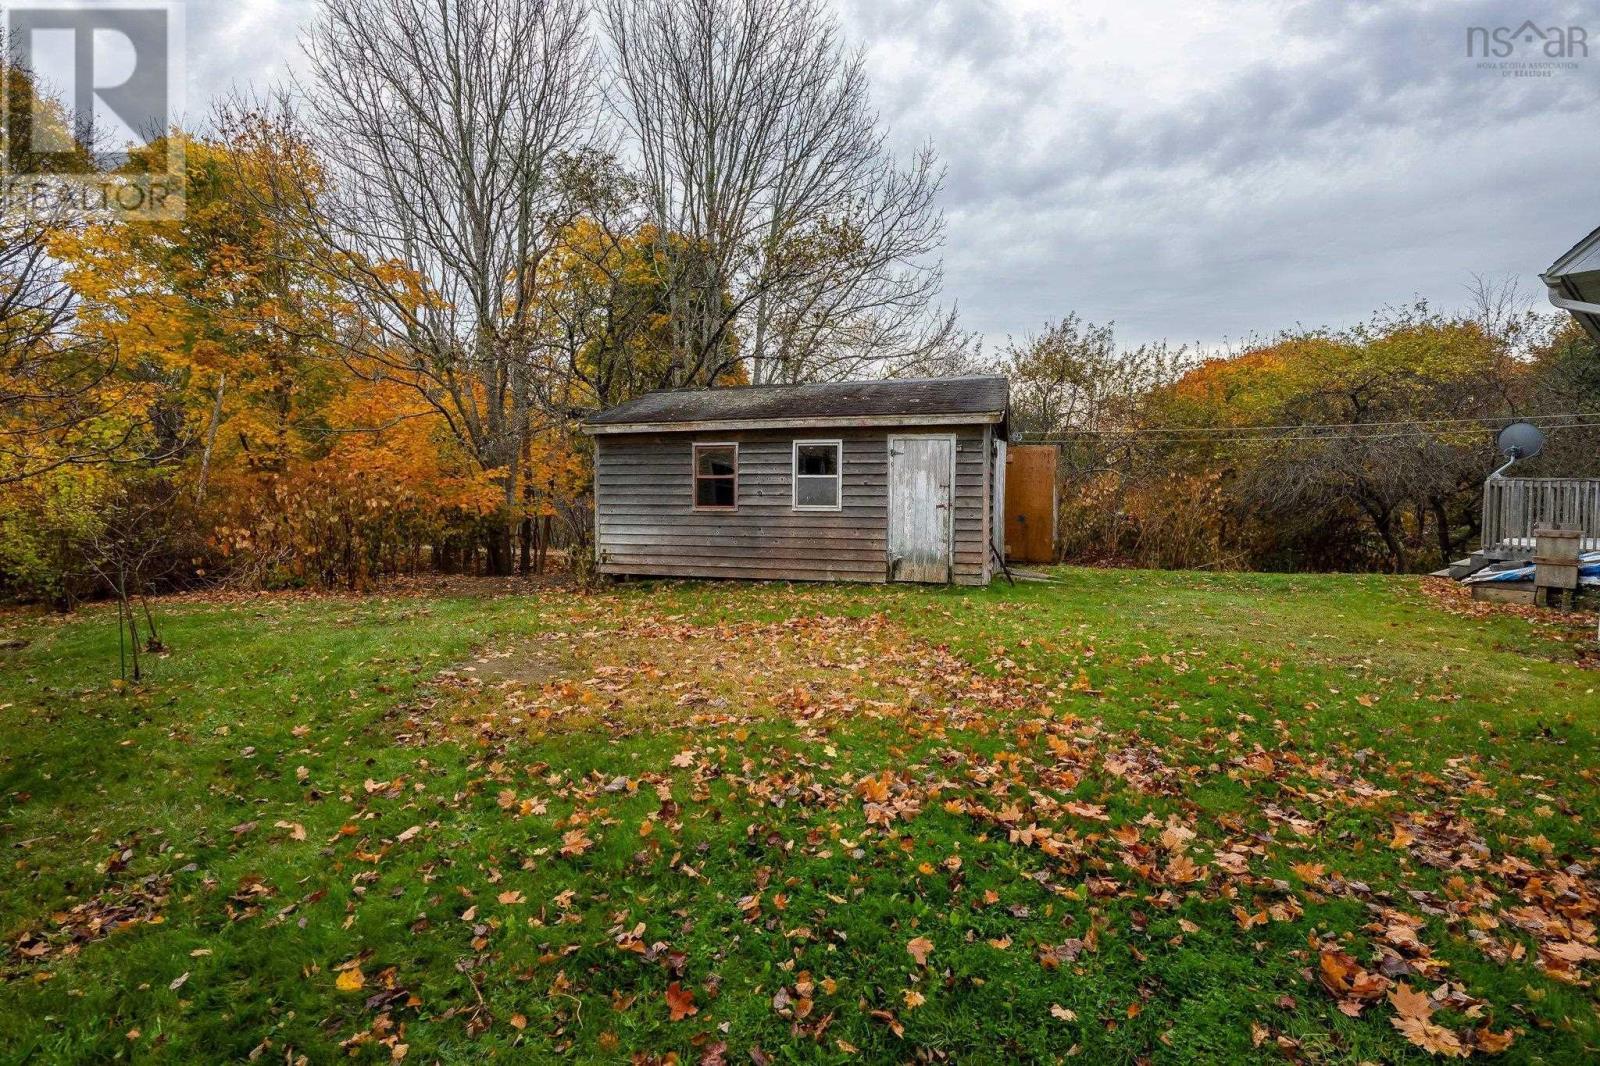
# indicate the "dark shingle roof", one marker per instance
pixel 983 397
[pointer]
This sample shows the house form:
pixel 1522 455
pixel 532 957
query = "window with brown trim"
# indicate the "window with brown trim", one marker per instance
pixel 716 477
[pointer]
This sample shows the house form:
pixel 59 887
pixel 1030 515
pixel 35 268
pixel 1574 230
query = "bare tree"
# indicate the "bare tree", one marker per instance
pixel 54 400
pixel 792 226
pixel 1072 377
pixel 444 126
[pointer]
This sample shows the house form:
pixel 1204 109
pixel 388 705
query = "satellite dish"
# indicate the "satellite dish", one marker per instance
pixel 1520 440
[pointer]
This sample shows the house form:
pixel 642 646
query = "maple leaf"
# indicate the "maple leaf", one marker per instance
pixel 350 980
pixel 1175 836
pixel 1571 951
pixel 875 788
pixel 1182 870
pixel 1064 1013
pixel 920 948
pixel 680 1002
pixel 913 999
pixel 1410 1003
pixel 575 842
pixel 1434 1039
pixel 511 897
pixel 1491 1043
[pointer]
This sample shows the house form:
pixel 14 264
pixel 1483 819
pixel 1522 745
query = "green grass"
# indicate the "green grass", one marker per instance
pixel 701 749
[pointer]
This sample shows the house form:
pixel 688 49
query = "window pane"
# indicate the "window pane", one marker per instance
pixel 714 460
pixel 816 492
pixel 713 492
pixel 817 459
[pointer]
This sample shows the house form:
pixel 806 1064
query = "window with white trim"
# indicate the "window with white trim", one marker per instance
pixel 816 474
pixel 716 477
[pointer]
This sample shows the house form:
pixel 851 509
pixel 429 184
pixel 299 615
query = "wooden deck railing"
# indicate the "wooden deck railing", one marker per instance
pixel 1513 507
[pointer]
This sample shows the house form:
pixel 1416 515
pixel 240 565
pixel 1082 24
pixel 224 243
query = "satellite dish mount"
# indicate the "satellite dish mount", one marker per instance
pixel 1519 440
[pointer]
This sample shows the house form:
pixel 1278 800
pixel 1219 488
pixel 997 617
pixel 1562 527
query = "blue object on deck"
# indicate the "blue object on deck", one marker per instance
pixel 1588 572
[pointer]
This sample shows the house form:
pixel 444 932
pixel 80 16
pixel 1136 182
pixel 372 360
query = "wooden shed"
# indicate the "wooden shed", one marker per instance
pixel 841 481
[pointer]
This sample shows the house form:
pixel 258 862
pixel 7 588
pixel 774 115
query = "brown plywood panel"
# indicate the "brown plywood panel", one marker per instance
pixel 1031 503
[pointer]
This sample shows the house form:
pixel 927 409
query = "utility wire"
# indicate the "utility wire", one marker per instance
pixel 1481 419
pixel 1161 437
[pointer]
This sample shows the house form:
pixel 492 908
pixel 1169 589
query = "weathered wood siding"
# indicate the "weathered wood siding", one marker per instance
pixel 646 523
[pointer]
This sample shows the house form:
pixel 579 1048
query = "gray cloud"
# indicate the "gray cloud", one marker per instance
pixel 1193 170
pixel 1348 158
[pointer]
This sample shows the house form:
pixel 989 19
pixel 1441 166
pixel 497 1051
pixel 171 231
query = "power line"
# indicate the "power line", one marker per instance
pixel 1299 434
pixel 1342 425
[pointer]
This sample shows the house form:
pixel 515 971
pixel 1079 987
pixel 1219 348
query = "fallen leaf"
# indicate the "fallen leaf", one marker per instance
pixel 1410 1003
pixel 1434 1039
pixel 680 1002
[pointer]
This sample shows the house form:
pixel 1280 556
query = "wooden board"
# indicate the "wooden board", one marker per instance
pixel 921 478
pixel 1520 592
pixel 1030 500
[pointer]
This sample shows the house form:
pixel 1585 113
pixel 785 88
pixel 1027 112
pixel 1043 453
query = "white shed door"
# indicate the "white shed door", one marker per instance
pixel 921 475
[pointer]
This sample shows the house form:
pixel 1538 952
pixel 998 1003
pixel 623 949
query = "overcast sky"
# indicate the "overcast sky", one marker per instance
pixel 1194 171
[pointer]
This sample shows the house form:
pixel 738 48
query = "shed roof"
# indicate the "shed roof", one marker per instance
pixel 1575 278
pixel 921 401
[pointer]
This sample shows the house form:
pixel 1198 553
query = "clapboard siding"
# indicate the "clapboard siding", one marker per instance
pixel 646 523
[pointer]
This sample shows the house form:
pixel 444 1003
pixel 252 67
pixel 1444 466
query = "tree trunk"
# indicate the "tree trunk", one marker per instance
pixel 1397 550
pixel 497 551
pixel 1441 522
pixel 525 547
pixel 211 439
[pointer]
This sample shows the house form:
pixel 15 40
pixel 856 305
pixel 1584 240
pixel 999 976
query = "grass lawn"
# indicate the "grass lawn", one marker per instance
pixel 1127 817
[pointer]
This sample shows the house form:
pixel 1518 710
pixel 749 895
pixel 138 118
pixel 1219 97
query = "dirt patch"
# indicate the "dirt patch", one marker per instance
pixel 530 664
pixel 665 673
